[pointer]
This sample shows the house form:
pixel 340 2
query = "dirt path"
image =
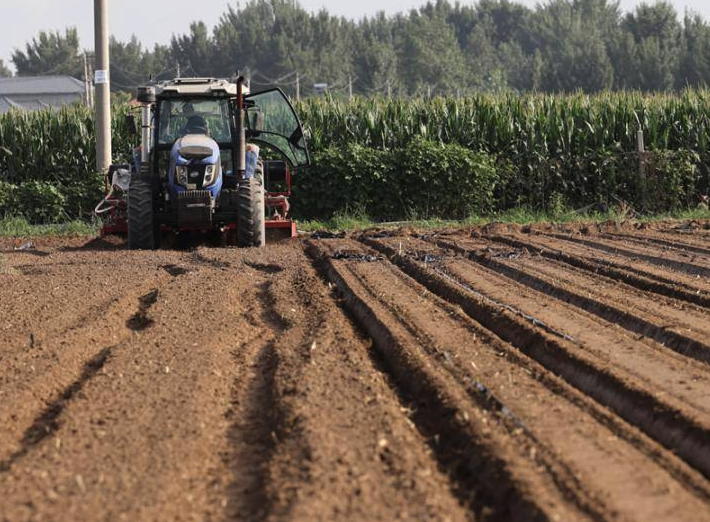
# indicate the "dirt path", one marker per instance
pixel 497 373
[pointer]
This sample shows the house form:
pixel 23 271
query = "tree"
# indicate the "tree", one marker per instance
pixel 131 65
pixel 487 73
pixel 127 64
pixel 442 47
pixel 572 39
pixel 50 53
pixel 195 51
pixel 429 55
pixel 651 48
pixel 694 66
pixel 270 38
pixel 374 57
pixel 5 72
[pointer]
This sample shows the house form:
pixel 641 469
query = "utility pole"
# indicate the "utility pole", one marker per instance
pixel 178 70
pixel 389 89
pixel 103 91
pixel 350 88
pixel 298 87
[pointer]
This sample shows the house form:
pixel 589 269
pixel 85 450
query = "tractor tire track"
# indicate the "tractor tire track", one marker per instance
pixel 154 452
pixel 327 450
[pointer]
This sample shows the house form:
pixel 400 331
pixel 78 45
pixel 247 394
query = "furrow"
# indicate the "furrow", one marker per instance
pixel 629 399
pixel 642 278
pixel 681 246
pixel 476 452
pixel 629 310
pixel 663 258
pixel 339 416
pixel 518 387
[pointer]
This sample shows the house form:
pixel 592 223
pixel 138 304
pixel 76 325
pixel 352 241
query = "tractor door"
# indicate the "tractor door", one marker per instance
pixel 280 129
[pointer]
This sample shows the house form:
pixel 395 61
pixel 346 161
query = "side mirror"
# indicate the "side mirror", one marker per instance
pixel 257 121
pixel 131 125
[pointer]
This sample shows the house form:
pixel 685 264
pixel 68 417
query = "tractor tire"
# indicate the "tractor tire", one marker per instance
pixel 142 230
pixel 251 228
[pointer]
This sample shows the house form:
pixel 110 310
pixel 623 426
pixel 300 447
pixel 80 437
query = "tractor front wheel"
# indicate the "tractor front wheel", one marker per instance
pixel 142 231
pixel 251 229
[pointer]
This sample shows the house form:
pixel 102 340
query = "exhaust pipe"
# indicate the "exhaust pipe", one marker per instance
pixel 146 135
pixel 241 130
pixel 146 97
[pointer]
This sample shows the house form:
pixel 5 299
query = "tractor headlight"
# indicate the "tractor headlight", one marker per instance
pixel 210 175
pixel 181 174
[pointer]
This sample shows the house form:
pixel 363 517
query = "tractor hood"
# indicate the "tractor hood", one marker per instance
pixel 196 158
pixel 196 147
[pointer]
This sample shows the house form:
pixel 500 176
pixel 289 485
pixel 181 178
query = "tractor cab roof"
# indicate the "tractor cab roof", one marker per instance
pixel 197 87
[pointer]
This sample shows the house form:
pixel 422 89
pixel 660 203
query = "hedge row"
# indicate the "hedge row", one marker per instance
pixel 427 179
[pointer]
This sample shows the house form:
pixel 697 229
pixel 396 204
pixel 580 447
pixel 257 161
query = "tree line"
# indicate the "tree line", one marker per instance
pixel 438 49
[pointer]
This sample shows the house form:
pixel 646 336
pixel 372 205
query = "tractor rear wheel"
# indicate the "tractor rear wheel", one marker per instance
pixel 142 231
pixel 251 229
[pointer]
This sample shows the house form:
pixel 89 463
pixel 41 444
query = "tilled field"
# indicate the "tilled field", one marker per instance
pixel 506 373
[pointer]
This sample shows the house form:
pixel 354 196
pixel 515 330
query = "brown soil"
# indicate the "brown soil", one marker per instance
pixel 505 372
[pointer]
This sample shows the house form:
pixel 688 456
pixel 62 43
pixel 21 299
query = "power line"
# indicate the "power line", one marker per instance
pixel 278 81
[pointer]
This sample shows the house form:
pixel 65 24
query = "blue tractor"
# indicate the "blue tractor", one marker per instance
pixel 199 167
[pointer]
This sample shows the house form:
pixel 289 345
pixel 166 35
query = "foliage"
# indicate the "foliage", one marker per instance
pixel 5 72
pixel 443 47
pixel 419 158
pixel 40 202
pixel 47 162
pixel 50 53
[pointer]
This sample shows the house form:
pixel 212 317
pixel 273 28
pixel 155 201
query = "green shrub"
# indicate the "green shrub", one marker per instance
pixel 83 195
pixel 8 199
pixel 41 202
pixel 423 180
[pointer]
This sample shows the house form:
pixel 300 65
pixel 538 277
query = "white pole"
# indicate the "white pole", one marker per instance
pixel 103 90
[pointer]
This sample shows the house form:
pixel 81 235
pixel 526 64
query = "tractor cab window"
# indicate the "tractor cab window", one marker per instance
pixel 281 128
pixel 194 116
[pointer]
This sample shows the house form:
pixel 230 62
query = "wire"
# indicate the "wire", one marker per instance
pixel 255 82
pixel 276 81
pixel 129 73
pixel 123 86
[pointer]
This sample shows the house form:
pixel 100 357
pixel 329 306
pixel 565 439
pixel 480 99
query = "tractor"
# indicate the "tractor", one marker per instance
pixel 198 167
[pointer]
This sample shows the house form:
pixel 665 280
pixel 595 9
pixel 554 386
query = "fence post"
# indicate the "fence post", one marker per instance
pixel 641 150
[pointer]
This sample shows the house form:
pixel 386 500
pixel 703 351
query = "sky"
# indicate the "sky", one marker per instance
pixel 157 20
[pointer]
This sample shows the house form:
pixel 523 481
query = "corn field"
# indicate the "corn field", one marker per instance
pixel 518 126
pixel 550 150
pixel 439 157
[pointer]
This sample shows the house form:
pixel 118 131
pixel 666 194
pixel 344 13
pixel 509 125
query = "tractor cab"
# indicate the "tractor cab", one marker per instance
pixel 200 165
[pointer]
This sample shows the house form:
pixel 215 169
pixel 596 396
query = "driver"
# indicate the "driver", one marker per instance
pixel 196 124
